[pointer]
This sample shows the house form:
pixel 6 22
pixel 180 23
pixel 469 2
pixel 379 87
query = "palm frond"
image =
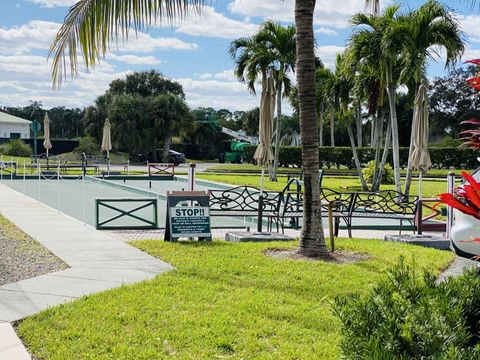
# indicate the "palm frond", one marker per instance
pixel 91 25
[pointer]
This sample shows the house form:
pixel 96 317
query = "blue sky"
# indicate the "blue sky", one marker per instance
pixel 193 52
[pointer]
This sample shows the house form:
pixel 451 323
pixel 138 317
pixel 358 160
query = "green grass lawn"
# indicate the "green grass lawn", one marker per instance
pixel 224 300
pixel 290 170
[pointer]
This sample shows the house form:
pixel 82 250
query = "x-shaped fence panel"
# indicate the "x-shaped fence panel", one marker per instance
pixel 148 220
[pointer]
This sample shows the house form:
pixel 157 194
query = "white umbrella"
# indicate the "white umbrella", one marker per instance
pixel 107 141
pixel 47 144
pixel 263 155
pixel 46 133
pixel 420 157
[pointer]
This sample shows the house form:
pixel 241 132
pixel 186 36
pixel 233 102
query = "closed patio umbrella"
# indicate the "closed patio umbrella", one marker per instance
pixel 263 155
pixel 107 141
pixel 420 157
pixel 47 144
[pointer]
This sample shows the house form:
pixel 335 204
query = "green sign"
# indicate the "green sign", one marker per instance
pixel 35 126
pixel 190 221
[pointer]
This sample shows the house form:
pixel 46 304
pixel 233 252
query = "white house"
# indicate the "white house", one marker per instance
pixel 12 127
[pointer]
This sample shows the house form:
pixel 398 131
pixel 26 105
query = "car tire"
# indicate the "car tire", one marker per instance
pixel 221 158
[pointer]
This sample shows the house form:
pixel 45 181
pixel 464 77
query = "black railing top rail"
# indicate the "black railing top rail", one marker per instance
pixel 244 198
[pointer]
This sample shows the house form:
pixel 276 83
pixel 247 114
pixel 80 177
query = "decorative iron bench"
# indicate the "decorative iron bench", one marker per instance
pixel 384 204
pixel 293 206
pixel 244 201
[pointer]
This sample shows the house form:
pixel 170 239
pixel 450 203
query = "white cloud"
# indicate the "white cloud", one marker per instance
pixel 36 34
pixel 326 31
pixel 212 24
pixel 54 3
pixel 134 59
pixel 326 13
pixel 470 24
pixel 328 54
pixel 143 42
pixel 222 75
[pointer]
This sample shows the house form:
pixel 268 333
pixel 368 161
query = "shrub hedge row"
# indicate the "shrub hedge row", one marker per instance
pixel 442 158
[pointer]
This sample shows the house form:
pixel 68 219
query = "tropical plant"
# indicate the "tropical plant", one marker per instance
pixel 375 42
pixel 271 49
pixel 407 317
pixel 370 173
pixel 88 146
pixel 430 27
pixel 312 240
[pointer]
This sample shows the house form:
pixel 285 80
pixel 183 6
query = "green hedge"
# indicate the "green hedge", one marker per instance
pixel 442 158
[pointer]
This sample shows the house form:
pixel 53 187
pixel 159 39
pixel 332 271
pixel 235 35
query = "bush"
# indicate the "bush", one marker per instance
pixel 16 147
pixel 405 317
pixel 387 175
pixel 442 158
pixel 88 146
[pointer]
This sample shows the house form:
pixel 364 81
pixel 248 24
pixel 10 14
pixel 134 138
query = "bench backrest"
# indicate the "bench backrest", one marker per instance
pixel 294 200
pixel 244 198
pixel 387 201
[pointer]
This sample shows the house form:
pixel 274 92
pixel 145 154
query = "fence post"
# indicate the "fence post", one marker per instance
pixel 450 186
pixel 191 176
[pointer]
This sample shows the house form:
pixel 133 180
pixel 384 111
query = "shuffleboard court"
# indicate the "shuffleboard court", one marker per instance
pixel 76 197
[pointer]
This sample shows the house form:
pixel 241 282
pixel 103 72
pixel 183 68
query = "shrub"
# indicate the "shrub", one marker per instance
pixel 442 158
pixel 88 146
pixel 387 175
pixel 17 147
pixel 405 317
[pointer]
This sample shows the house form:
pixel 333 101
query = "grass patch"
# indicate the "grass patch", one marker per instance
pixel 224 300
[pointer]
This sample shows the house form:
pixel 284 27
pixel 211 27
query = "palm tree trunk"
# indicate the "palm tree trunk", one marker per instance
pixel 355 157
pixel 273 173
pixel 312 239
pixel 167 141
pixel 379 118
pixel 372 131
pixel 408 179
pixel 378 180
pixel 320 124
pixel 359 125
pixel 393 118
pixel 332 127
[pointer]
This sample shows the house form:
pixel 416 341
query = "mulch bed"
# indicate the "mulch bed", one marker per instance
pixel 21 257
pixel 339 257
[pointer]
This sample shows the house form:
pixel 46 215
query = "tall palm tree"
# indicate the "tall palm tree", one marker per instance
pixel 272 48
pixel 322 78
pixel 312 240
pixel 429 27
pixel 376 42
pixel 281 45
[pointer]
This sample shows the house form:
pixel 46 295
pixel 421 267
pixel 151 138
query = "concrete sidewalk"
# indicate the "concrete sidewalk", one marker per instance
pixel 98 261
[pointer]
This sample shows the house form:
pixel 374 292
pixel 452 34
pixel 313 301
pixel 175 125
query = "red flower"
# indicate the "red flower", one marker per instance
pixel 466 198
pixel 473 61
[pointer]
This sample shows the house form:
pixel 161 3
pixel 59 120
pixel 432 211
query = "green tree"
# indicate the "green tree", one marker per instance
pixel 430 26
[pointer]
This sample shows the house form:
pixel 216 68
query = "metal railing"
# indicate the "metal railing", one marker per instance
pixel 110 223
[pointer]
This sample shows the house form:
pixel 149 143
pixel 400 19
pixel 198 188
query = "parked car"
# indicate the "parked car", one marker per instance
pixel 465 231
pixel 176 157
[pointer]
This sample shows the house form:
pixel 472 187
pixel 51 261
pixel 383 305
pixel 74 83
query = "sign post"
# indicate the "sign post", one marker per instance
pixel 190 220
pixel 36 127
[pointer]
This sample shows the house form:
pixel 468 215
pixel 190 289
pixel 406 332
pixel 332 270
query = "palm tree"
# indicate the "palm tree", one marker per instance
pixel 376 43
pixel 312 240
pixel 272 48
pixel 280 42
pixel 91 25
pixel 322 78
pixel 429 27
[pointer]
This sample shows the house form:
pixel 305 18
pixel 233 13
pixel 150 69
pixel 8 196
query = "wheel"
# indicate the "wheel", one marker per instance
pixel 221 158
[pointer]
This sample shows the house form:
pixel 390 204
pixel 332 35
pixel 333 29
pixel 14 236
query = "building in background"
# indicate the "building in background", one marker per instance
pixel 13 127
